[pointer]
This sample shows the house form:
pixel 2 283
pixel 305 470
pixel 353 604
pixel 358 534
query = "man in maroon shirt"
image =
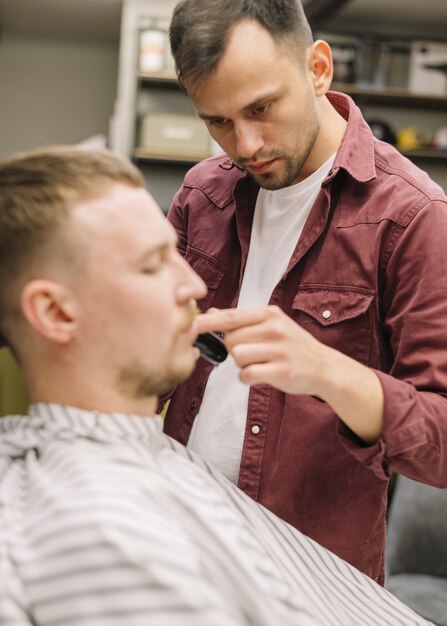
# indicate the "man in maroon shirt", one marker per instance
pixel 346 371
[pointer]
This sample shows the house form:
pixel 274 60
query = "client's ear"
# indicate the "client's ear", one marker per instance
pixel 50 309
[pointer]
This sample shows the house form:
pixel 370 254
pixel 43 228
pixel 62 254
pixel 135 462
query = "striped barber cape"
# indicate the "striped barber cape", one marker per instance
pixel 106 521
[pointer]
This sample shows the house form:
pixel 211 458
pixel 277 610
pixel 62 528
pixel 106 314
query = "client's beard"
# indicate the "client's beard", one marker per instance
pixel 137 383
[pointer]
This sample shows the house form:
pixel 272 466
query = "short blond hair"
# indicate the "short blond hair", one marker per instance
pixel 37 190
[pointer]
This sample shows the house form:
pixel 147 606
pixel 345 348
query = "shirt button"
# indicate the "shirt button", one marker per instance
pixel 255 429
pixel 193 405
pixel 326 314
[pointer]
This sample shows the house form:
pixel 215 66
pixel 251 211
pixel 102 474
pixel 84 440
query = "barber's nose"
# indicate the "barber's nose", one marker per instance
pixel 248 140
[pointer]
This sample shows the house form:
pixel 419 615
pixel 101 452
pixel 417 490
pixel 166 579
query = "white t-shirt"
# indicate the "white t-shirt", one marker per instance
pixel 218 431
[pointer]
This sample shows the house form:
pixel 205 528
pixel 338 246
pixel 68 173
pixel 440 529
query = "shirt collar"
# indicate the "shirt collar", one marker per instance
pixel 356 151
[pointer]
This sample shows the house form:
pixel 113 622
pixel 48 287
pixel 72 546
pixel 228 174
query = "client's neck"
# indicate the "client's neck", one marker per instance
pixel 87 394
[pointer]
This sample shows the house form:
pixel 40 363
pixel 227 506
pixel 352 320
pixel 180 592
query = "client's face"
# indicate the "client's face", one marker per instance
pixel 137 294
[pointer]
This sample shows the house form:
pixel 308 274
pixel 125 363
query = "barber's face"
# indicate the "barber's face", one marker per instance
pixel 260 107
pixel 135 294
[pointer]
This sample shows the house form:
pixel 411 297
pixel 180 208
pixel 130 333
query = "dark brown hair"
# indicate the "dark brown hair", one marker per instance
pixel 200 30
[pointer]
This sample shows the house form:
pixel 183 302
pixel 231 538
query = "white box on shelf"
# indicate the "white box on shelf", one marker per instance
pixel 172 134
pixel 428 68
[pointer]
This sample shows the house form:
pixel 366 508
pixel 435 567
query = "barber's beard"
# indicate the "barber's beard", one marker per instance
pixel 285 176
pixel 287 170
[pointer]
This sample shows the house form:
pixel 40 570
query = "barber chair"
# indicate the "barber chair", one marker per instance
pixel 416 553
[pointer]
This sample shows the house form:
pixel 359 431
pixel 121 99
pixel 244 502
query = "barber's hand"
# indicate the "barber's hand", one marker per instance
pixel 270 348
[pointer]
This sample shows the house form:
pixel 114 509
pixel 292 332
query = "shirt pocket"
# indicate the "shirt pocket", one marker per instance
pixel 338 316
pixel 210 270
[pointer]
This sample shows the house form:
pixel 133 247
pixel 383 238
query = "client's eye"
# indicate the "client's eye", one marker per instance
pixel 154 265
pixel 155 260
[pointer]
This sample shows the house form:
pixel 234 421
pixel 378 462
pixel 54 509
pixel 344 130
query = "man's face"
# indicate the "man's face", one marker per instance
pixel 260 107
pixel 136 294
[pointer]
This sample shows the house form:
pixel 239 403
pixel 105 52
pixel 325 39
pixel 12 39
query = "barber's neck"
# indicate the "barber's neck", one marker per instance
pixel 329 138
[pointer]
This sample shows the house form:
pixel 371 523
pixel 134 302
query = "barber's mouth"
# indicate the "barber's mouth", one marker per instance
pixel 260 168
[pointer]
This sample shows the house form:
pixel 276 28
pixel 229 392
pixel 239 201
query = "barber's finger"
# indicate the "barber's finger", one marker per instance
pixel 246 354
pixel 225 320
pixel 272 330
pixel 264 374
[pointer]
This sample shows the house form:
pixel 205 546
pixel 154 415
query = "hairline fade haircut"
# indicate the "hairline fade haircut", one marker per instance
pixel 37 190
pixel 200 29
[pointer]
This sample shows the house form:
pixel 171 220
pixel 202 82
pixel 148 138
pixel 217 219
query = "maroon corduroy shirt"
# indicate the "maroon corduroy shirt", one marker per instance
pixel 374 253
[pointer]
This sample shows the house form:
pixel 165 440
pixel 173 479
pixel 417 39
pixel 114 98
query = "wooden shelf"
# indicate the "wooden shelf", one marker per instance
pixel 142 154
pixel 390 96
pixel 426 153
pixel 165 78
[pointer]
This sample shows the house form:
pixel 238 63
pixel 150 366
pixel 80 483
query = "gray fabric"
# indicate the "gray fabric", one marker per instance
pixel 416 554
pixel 427 595
pixel 417 529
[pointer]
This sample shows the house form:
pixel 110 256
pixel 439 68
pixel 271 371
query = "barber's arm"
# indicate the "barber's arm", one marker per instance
pixel 270 348
pixel 400 414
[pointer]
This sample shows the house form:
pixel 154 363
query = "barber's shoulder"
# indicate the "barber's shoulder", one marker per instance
pixel 405 190
pixel 219 169
pixel 393 164
pixel 215 178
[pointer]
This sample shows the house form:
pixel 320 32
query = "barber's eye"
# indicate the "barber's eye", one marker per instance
pixel 262 108
pixel 219 122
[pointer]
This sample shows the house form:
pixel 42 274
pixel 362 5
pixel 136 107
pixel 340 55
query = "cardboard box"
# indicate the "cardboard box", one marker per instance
pixel 171 134
pixel 428 68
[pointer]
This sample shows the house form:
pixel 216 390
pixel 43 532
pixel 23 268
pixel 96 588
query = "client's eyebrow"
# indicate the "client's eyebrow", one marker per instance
pixel 150 252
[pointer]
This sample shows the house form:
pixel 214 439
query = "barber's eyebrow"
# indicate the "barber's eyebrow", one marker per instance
pixel 266 97
pixel 205 117
pixel 261 99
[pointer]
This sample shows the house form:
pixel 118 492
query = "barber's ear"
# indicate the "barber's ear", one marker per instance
pixel 321 66
pixel 50 309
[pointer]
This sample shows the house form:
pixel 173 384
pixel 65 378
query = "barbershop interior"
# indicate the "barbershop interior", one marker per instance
pixel 99 73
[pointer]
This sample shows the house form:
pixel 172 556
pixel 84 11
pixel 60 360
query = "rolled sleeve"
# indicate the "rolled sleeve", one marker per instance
pixel 413 440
